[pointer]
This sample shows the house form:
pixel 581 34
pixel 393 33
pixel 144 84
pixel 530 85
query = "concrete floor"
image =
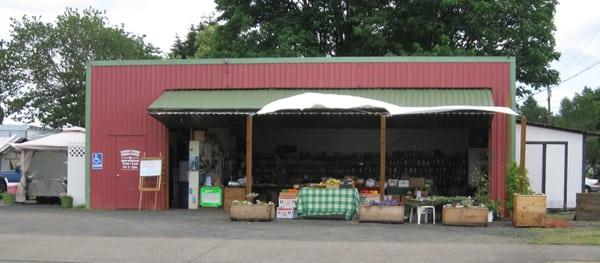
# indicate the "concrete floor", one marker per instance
pixel 48 233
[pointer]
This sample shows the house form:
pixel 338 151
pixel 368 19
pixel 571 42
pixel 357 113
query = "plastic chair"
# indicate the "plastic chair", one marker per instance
pixel 422 209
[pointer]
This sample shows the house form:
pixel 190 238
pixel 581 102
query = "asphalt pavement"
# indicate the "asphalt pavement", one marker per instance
pixel 51 234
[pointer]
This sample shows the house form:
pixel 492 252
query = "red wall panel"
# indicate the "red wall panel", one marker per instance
pixel 121 94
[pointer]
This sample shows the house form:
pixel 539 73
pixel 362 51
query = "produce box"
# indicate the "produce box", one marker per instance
pixel 366 198
pixel 332 186
pixel 383 214
pixel 288 195
pixel 404 183
pixel 284 213
pixel 529 210
pixel 233 193
pixel 244 212
pixel 211 196
pixel 416 182
pixel 588 207
pixel 465 216
pixel 287 203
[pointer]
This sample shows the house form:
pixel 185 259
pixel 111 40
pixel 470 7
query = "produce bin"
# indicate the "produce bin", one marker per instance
pixel 465 216
pixel 252 212
pixel 211 196
pixel 383 214
pixel 529 210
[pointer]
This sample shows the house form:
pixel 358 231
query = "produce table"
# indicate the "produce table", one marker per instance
pixel 327 202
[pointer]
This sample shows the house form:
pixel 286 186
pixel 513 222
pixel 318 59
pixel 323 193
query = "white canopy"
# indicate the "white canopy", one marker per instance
pixel 7 141
pixel 311 100
pixel 59 141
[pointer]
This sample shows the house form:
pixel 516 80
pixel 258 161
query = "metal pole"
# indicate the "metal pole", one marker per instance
pixel 382 158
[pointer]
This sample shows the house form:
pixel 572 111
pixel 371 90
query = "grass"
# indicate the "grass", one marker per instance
pixel 566 236
pixel 79 207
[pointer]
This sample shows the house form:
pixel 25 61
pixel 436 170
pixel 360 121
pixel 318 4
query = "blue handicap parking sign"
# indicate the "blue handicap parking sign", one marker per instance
pixel 97 161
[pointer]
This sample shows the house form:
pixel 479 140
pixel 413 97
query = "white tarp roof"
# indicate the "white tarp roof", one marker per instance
pixel 311 100
pixel 59 141
pixel 6 141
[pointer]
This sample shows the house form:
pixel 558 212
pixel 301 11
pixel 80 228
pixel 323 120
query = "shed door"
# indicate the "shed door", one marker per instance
pixel 129 152
pixel 546 164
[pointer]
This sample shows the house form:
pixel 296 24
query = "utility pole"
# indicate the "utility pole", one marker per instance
pixel 549 108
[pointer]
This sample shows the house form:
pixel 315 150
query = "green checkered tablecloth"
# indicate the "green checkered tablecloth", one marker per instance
pixel 327 202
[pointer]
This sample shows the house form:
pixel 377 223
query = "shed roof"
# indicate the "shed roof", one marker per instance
pixel 553 127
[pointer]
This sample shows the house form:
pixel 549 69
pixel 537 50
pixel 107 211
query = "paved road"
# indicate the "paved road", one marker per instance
pixel 45 233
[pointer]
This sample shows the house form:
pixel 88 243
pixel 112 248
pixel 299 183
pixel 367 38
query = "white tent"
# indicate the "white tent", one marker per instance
pixel 59 141
pixel 311 100
pixel 51 144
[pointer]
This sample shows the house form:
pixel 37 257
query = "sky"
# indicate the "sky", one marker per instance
pixel 577 30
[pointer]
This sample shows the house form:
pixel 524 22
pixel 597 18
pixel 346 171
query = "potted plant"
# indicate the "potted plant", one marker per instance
pixel 7 198
pixel 251 210
pixel 464 213
pixel 528 209
pixel 387 211
pixel 482 194
pixel 66 201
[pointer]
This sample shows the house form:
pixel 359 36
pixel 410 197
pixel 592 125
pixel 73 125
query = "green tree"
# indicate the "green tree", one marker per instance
pixel 199 41
pixel 582 112
pixel 533 111
pixel 523 29
pixel 47 63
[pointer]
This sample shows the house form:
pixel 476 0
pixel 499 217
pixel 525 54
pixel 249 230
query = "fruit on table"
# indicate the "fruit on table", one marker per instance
pixel 333 181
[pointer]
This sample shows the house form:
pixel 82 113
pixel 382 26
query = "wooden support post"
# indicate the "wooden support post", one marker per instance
pixel 382 149
pixel 523 145
pixel 249 155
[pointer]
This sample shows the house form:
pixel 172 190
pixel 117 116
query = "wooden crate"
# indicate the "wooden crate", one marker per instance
pixel 465 216
pixel 588 207
pixel 233 193
pixel 288 195
pixel 383 214
pixel 252 212
pixel 529 210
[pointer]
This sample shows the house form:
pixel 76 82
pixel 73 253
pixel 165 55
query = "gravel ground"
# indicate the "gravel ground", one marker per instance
pixel 53 234
pixel 214 223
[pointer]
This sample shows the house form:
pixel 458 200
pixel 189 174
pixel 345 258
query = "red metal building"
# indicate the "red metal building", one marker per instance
pixel 119 93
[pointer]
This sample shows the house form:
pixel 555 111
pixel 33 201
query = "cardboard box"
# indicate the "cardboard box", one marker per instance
pixel 233 193
pixel 287 203
pixel 288 195
pixel 367 198
pixel 283 213
pixel 417 182
pixel 199 135
pixel 404 183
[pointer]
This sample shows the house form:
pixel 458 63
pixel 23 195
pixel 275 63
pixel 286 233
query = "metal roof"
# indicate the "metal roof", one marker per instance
pixel 565 129
pixel 249 100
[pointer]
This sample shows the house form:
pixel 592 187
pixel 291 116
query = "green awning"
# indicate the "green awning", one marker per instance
pixel 244 101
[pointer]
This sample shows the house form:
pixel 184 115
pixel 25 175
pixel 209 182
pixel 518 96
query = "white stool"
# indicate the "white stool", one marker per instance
pixel 422 209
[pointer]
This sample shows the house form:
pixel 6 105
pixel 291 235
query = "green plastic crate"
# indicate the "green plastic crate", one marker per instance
pixel 211 196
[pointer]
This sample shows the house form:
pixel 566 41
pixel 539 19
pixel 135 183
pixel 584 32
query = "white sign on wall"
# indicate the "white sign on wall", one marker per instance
pixel 130 159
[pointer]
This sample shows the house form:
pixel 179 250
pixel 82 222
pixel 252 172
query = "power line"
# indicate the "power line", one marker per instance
pixel 590 41
pixel 567 79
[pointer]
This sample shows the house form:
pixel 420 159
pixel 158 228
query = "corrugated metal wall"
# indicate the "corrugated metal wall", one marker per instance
pixel 121 94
